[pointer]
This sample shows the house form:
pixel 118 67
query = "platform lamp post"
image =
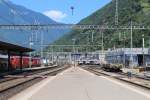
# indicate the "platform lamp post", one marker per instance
pixel 72 9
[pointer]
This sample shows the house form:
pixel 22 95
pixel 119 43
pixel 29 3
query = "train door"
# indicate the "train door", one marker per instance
pixel 140 60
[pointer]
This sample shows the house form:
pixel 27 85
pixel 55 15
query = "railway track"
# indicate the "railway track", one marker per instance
pixel 143 83
pixel 12 86
pixel 5 78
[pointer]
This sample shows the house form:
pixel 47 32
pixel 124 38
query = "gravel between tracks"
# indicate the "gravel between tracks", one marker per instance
pixel 134 80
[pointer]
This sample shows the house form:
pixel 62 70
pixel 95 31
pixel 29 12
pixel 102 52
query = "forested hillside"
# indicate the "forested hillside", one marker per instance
pixel 137 11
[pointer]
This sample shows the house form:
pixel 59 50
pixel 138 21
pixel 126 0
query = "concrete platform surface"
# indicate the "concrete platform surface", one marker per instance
pixel 78 84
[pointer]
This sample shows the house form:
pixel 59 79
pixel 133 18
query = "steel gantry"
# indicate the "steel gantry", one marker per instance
pixel 72 26
pixel 68 45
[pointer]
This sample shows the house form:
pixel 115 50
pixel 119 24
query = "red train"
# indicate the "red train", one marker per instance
pixel 15 62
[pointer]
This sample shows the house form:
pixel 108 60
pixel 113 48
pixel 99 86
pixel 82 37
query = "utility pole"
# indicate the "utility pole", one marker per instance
pixel 30 45
pixel 116 13
pixel 131 44
pixel 42 45
pixel 92 48
pixel 102 41
pixel 124 60
pixel 87 40
pixel 74 41
pixel 143 42
pixel 92 36
pixel 52 54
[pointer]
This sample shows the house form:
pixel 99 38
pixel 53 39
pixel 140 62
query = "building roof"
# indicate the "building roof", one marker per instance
pixel 14 48
pixel 129 51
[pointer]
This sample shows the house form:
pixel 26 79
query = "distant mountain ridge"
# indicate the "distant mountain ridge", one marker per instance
pixel 15 14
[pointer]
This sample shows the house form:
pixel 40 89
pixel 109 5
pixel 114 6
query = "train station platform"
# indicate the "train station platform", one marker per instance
pixel 78 84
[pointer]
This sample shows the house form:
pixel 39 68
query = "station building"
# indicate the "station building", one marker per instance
pixel 7 50
pixel 135 57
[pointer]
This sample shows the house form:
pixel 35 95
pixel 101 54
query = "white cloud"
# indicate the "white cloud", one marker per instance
pixel 55 15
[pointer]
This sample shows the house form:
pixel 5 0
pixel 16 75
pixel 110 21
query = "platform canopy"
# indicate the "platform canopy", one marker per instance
pixel 13 47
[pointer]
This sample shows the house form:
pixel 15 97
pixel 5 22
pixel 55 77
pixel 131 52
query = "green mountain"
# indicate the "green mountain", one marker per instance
pixel 136 10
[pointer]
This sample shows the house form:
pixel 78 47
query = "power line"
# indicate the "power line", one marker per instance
pixel 72 26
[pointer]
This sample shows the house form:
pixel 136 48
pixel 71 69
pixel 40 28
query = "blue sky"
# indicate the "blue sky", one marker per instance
pixel 59 10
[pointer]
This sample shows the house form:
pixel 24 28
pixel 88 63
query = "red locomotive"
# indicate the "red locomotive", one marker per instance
pixel 15 62
pixel 36 61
